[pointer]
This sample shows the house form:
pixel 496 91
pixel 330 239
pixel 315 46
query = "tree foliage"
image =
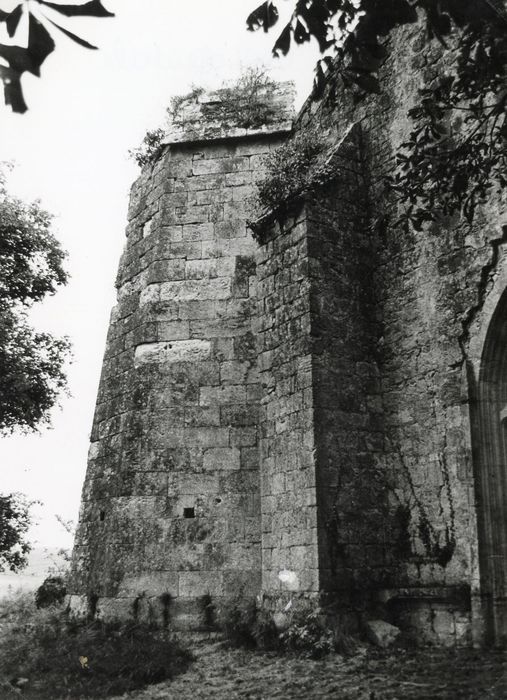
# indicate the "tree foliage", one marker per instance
pixel 31 362
pixel 14 523
pixel 43 19
pixel 457 150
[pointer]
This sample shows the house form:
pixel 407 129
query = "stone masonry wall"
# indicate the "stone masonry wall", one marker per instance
pixel 430 290
pixel 322 501
pixel 351 491
pixel 171 503
pixel 287 445
pixel 294 416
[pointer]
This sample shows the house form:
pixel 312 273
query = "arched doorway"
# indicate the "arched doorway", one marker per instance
pixel 491 474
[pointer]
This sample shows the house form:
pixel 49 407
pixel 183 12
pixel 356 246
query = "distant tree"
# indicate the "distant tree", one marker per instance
pixel 31 362
pixel 14 523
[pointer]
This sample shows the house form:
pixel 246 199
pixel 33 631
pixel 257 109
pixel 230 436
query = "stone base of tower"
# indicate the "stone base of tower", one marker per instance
pixel 161 611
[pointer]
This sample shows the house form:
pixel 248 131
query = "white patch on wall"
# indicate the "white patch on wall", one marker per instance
pixel 173 351
pixel 289 579
pixel 147 228
pixel 93 450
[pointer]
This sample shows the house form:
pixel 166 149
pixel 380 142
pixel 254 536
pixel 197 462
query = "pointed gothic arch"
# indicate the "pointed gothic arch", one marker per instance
pixel 491 473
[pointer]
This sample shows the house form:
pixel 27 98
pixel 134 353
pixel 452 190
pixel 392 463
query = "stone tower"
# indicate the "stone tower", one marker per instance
pixel 171 504
pixel 316 412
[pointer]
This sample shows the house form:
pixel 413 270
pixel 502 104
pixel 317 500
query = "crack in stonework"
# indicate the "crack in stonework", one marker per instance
pixel 482 288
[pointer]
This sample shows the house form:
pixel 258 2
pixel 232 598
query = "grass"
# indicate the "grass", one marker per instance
pixel 48 655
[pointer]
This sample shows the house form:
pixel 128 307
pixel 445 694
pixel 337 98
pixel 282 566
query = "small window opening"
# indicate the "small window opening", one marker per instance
pixel 218 501
pixel 102 515
pixel 188 512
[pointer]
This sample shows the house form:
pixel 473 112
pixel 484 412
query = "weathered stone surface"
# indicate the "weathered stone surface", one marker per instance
pixel 187 290
pixel 201 116
pixel 154 584
pixel 310 410
pixel 381 633
pixel 172 351
pixel 171 507
pixel 218 458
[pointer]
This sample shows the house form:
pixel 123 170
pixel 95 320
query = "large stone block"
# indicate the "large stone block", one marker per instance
pixel 155 583
pixel 221 458
pixel 171 352
pixel 221 165
pixel 211 395
pixel 194 584
pixel 187 290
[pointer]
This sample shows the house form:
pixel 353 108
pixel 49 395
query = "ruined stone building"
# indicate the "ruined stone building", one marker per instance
pixel 314 411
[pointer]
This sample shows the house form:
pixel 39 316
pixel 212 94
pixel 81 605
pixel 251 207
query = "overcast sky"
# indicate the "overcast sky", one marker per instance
pixel 70 148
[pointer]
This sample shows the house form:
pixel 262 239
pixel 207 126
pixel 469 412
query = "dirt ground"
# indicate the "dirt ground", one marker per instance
pixel 401 674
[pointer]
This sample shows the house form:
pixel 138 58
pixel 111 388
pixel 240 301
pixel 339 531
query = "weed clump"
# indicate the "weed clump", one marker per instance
pixel 150 147
pixel 247 103
pixel 308 634
pixel 55 655
pixel 51 592
pixel 237 617
pixel 306 631
pixel 291 169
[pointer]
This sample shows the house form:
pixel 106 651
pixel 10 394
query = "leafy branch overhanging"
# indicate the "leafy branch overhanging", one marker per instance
pixel 18 59
pixel 456 153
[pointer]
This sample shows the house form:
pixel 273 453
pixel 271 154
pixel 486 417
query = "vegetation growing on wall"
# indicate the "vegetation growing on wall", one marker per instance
pixel 246 103
pixel 456 153
pixel 176 103
pixel 442 168
pixel 419 532
pixel 439 544
pixel 291 169
pixel 149 148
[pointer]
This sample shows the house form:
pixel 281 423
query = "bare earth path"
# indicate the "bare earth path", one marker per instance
pixel 226 674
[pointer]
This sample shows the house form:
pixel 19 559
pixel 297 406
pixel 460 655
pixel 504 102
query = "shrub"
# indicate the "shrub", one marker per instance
pixel 264 631
pixel 236 618
pixel 208 611
pixel 61 656
pixel 177 102
pixel 16 605
pixel 149 148
pixel 307 633
pixel 291 169
pixel 248 103
pixel 51 592
pixel 244 624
